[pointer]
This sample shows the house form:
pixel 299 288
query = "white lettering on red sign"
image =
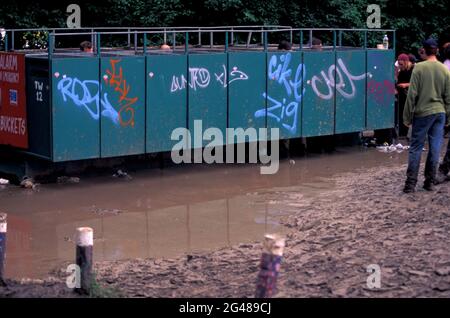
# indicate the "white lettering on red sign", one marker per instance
pixel 13 125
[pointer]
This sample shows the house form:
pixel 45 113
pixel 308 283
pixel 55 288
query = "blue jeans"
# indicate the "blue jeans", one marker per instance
pixel 445 165
pixel 433 126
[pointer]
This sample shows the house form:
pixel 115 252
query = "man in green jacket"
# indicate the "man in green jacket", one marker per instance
pixel 427 104
pixel 444 168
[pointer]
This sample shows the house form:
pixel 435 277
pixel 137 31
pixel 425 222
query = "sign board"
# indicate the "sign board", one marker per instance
pixel 13 116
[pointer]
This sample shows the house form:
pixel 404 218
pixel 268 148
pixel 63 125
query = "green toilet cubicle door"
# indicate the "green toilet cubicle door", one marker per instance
pixel 122 106
pixel 380 89
pixel 207 95
pixel 246 80
pixel 76 108
pixel 285 92
pixel 166 100
pixel 350 90
pixel 319 99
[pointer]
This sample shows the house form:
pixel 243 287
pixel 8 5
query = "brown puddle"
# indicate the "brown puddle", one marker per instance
pixel 164 213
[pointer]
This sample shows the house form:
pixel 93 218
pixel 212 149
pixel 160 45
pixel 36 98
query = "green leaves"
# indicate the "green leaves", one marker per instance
pixel 414 20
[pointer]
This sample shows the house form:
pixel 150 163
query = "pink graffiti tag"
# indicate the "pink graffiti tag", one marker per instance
pixel 381 91
pixel 117 81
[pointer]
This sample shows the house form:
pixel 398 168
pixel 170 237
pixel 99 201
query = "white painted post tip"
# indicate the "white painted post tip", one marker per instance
pixel 85 236
pixel 3 223
pixel 274 244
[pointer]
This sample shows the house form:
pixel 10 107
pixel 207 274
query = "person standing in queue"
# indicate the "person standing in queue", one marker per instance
pixel 427 103
pixel 404 77
pixel 444 168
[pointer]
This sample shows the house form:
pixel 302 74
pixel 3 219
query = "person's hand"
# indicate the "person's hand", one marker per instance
pixel 408 125
pixel 403 85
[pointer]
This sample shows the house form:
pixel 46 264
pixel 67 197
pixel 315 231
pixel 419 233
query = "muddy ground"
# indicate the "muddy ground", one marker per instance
pixel 331 240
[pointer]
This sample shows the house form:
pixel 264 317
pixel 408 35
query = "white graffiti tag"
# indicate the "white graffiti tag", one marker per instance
pixel 198 78
pixel 178 83
pixel 235 75
pixel 201 78
pixel 342 73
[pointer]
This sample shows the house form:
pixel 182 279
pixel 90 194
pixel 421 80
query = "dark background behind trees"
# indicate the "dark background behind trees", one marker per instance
pixel 414 20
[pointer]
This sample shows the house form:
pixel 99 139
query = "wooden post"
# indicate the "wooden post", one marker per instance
pixel 2 247
pixel 84 255
pixel 270 266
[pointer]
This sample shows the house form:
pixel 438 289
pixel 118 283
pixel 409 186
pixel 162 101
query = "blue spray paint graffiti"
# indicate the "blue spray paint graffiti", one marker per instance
pixel 285 111
pixel 290 110
pixel 86 94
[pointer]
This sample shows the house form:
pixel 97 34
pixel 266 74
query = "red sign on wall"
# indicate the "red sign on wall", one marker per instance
pixel 13 112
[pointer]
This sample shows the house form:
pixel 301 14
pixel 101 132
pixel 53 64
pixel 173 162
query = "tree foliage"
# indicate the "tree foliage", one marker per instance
pixel 413 20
